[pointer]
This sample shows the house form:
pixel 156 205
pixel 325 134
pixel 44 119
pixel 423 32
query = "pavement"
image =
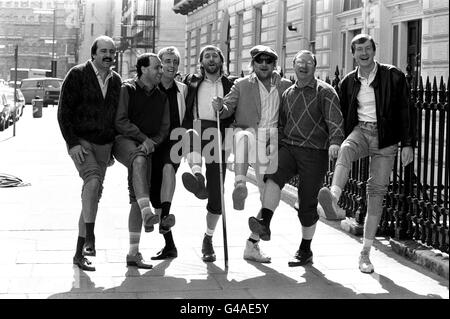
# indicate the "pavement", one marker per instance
pixel 38 235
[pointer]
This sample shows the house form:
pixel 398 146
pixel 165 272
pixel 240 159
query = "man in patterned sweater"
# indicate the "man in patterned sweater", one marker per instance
pixel 87 107
pixel 310 129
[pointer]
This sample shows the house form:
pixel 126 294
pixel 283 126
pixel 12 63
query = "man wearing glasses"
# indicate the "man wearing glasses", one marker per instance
pixel 310 130
pixel 254 100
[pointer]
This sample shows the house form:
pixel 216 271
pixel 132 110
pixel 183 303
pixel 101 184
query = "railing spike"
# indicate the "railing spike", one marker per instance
pixel 434 91
pixel 428 91
pixel 442 91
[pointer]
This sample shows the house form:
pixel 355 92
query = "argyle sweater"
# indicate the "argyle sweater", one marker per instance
pixel 310 116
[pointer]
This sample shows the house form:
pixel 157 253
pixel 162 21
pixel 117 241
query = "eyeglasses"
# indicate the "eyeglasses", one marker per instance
pixel 308 63
pixel 260 60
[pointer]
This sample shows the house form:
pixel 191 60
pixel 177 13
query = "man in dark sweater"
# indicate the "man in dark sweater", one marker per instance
pixel 86 112
pixel 310 129
pixel 142 121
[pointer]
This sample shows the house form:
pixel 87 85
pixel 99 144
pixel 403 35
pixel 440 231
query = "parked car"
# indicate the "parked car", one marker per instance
pixel 5 111
pixel 16 110
pixel 47 89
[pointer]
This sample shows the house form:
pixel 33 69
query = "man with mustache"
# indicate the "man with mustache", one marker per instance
pixel 142 120
pixel 310 129
pixel 87 108
pixel 164 166
pixel 200 116
pixel 254 100
pixel 374 100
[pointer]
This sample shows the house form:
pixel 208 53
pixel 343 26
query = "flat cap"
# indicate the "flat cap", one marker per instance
pixel 262 49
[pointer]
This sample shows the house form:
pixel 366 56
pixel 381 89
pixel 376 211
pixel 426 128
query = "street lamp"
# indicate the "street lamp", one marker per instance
pixel 51 11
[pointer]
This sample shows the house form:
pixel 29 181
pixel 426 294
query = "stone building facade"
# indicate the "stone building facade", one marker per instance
pixel 412 34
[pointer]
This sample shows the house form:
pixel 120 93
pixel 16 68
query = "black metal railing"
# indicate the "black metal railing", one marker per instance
pixel 416 204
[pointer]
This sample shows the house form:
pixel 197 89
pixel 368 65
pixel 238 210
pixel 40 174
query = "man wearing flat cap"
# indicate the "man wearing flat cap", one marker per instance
pixel 254 100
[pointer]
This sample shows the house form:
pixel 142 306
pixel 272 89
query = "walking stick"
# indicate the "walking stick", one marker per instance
pixel 224 219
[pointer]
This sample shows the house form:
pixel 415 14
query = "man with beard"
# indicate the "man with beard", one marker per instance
pixel 310 129
pixel 164 167
pixel 254 100
pixel 200 116
pixel 87 107
pixel 375 102
pixel 142 121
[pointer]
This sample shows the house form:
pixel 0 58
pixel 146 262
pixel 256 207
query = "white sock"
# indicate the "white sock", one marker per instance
pixel 134 243
pixel 144 205
pixel 336 191
pixel 239 178
pixel 196 169
pixel 209 232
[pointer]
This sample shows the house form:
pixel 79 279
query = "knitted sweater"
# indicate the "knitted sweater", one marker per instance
pixel 143 113
pixel 83 112
pixel 310 116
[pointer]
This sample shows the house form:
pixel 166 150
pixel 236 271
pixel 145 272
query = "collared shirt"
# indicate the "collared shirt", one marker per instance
pixel 270 102
pixel 206 91
pixel 310 116
pixel 366 97
pixel 103 85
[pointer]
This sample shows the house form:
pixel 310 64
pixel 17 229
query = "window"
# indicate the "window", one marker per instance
pixel 344 48
pixel 257 29
pixel 209 33
pixel 352 4
pixel 92 9
pixel 395 45
pixel 240 26
pixel 188 52
pixel 198 42
pixel 92 29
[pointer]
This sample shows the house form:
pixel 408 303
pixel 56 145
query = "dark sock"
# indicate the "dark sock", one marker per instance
pixel 266 215
pixel 165 209
pixel 305 245
pixel 80 243
pixel 169 240
pixel 253 240
pixel 90 230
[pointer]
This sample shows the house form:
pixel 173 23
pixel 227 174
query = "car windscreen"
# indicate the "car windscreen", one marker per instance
pixel 28 84
pixel 52 84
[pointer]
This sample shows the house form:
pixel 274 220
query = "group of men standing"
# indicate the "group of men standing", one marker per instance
pixel 279 128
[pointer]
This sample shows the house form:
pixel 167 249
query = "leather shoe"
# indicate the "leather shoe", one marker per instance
pixel 149 221
pixel 195 184
pixel 89 247
pixel 83 263
pixel 256 225
pixel 301 258
pixel 207 249
pixel 137 261
pixel 166 223
pixel 166 253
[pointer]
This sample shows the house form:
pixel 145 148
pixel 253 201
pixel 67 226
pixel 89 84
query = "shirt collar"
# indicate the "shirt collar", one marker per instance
pixel 219 79
pixel 143 86
pixel 97 73
pixel 371 74
pixel 174 87
pixel 311 84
